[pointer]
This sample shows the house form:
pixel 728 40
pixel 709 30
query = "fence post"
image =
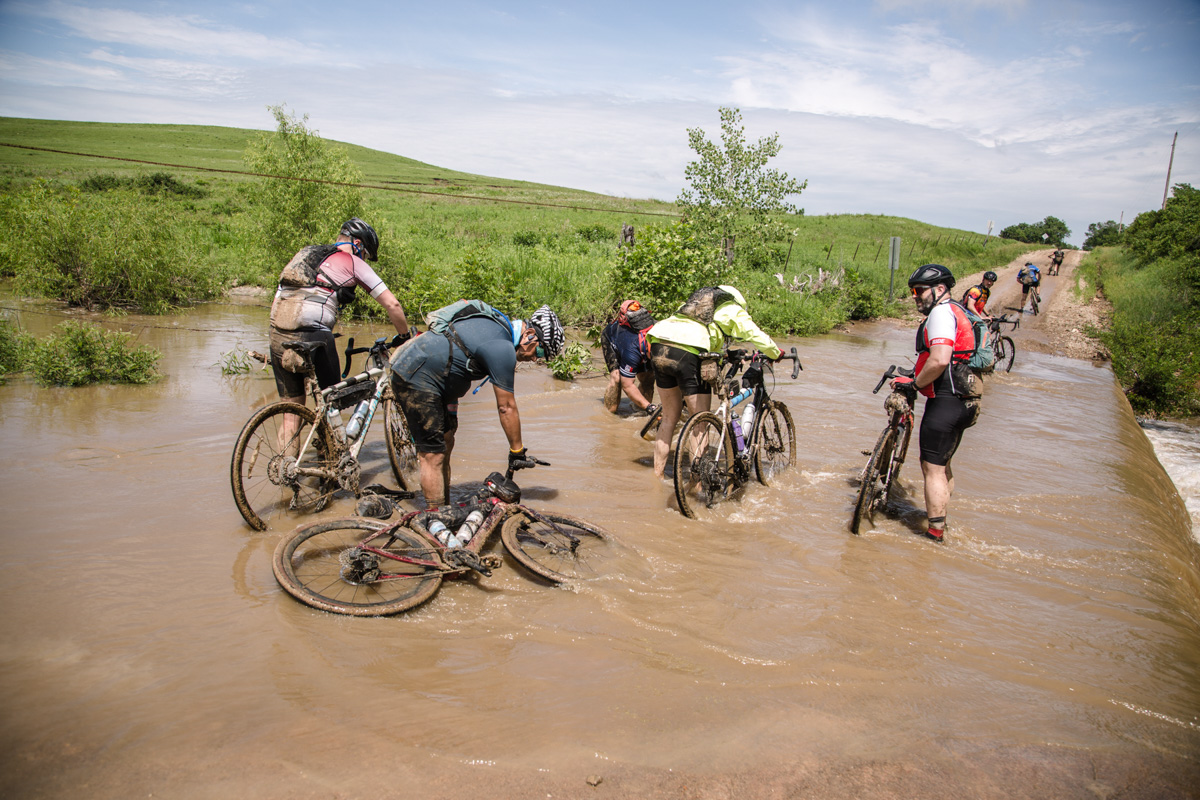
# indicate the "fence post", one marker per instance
pixel 627 235
pixel 894 264
pixel 728 245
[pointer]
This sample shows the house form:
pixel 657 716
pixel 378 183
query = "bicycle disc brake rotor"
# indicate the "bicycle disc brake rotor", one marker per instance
pixel 358 566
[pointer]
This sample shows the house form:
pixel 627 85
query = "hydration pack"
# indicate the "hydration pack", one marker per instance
pixel 305 267
pixel 441 320
pixel 703 304
pixel 982 356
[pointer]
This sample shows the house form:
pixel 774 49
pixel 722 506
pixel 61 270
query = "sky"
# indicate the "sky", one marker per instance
pixel 957 113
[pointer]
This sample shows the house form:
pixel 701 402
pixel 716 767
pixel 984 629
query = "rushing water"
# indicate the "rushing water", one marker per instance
pixel 1051 648
pixel 1177 445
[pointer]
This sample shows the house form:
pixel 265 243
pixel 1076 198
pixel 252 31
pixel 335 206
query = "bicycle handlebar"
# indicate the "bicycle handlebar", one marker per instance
pixel 382 343
pixel 736 357
pixel 528 462
pixel 892 372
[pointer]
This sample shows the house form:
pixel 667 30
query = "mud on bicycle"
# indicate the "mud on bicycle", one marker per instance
pixel 291 458
pixel 366 567
pixel 1003 349
pixel 883 467
pixel 714 453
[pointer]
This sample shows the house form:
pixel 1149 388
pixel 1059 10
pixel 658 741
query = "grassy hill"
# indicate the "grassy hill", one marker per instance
pixel 448 234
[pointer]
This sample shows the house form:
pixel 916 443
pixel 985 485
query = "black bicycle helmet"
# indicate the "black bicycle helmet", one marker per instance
pixel 990 276
pixel 931 275
pixel 355 228
pixel 551 336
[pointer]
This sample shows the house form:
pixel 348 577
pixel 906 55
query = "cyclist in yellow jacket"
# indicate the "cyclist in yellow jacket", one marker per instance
pixel 701 325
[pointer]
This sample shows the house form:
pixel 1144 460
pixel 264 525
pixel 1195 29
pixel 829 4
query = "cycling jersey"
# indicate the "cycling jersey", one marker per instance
pixel 421 362
pixel 730 321
pixel 976 298
pixel 1030 275
pixel 946 324
pixel 315 308
pixel 629 352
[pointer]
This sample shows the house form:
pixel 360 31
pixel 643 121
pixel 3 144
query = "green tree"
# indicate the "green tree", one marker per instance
pixel 1051 230
pixel 668 264
pixel 1102 234
pixel 1171 232
pixel 310 192
pixel 732 193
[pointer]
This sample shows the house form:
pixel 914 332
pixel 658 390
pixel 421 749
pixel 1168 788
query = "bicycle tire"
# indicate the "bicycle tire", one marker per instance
pixel 258 455
pixel 775 435
pixel 870 489
pixel 700 466
pixel 402 453
pixel 316 572
pixel 551 553
pixel 1008 352
pixel 893 460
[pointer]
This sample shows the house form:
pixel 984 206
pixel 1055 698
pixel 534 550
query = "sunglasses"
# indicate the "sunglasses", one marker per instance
pixel 919 290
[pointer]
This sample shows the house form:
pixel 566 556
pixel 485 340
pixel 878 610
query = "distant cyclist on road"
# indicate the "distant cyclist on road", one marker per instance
pixel 702 324
pixel 627 356
pixel 977 296
pixel 945 337
pixel 1030 277
pixel 432 371
pixel 1056 261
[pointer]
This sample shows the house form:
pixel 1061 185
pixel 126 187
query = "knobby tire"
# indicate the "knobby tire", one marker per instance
pixel 1005 354
pixel 550 551
pixel 317 565
pixel 402 453
pixel 702 478
pixel 775 435
pixel 871 489
pixel 258 457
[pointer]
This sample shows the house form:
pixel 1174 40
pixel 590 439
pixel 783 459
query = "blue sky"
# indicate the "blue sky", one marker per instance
pixel 953 112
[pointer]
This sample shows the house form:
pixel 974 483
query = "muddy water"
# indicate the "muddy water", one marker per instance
pixel 1050 648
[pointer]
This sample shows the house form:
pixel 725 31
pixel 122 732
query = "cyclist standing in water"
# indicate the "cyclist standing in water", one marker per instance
pixel 312 288
pixel 976 297
pixel 432 371
pixel 627 356
pixel 1030 277
pixel 700 325
pixel 942 338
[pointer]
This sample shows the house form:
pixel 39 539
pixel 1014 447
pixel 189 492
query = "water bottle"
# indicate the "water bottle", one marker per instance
pixel 748 417
pixel 737 434
pixel 354 426
pixel 334 417
pixel 469 527
pixel 441 532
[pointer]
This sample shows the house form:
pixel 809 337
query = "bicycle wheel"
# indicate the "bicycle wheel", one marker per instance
pixel 703 463
pixel 1006 351
pixel 871 489
pixel 775 436
pixel 324 565
pixel 265 455
pixel 401 450
pixel 891 462
pixel 570 549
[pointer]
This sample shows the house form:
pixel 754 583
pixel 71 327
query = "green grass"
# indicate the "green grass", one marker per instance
pixel 521 245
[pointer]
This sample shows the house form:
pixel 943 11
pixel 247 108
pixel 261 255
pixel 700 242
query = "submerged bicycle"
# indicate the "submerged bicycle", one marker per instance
pixel 292 458
pixel 365 567
pixel 714 454
pixel 1003 349
pixel 883 466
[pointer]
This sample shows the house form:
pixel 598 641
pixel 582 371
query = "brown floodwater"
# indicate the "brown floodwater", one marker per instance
pixel 1051 647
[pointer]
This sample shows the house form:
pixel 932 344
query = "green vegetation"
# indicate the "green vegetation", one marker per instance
pixel 1153 283
pixel 572 361
pixel 1103 234
pixel 77 354
pixel 444 234
pixel 1050 231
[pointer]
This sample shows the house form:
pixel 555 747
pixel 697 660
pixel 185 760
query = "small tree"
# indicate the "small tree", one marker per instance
pixel 1054 229
pixel 306 201
pixel 1102 234
pixel 732 193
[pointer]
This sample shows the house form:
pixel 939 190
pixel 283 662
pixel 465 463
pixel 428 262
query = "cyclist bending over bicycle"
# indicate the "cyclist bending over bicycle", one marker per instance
pixel 432 371
pixel 701 325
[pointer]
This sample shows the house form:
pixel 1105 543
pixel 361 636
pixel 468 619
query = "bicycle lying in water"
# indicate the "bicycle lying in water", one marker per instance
pixel 1003 349
pixel 714 453
pixel 292 458
pixel 365 567
pixel 883 466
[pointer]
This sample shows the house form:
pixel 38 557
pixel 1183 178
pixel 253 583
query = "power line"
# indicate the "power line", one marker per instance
pixel 340 183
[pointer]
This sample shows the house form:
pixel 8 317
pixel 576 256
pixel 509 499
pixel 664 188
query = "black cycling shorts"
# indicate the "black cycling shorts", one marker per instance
pixel 609 351
pixel 942 426
pixel 674 366
pixel 428 414
pixel 329 370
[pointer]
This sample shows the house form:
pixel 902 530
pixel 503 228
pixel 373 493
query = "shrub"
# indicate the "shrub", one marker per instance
pixel 118 249
pixel 79 354
pixel 16 346
pixel 526 238
pixel 569 363
pixel 596 233
pixel 667 265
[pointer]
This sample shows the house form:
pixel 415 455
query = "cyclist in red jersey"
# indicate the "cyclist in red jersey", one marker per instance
pixel 976 297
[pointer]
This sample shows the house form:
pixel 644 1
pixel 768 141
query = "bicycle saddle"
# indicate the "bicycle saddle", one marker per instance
pixel 304 348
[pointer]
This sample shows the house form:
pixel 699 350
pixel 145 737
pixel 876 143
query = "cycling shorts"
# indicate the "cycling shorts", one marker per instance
pixel 428 414
pixel 609 350
pixel 942 426
pixel 291 384
pixel 676 367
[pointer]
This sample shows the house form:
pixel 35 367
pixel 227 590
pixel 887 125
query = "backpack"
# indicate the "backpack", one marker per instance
pixel 982 356
pixel 305 267
pixel 443 319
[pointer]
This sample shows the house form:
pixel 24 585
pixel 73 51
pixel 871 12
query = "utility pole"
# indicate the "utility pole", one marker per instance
pixel 1170 164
